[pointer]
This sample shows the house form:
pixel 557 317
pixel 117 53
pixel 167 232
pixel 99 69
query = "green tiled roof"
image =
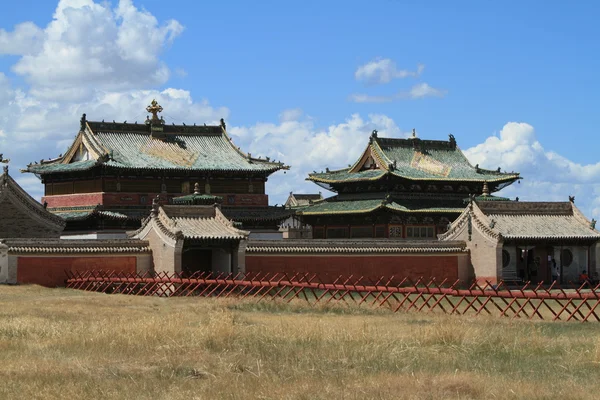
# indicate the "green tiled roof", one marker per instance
pixel 57 167
pixel 197 199
pixel 348 205
pixel 415 159
pixel 82 213
pixel 131 146
pixel 489 198
pixel 249 214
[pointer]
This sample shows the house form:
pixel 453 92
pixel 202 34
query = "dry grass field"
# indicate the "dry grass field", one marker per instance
pixel 64 344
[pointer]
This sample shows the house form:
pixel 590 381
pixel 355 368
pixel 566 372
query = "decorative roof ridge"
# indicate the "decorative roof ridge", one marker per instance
pixel 355 246
pixel 580 217
pixel 331 171
pixel 454 227
pixel 142 128
pixel 248 156
pixel 352 168
pixel 73 242
pixel 410 141
pixel 220 217
pixel 384 161
pixel 485 224
pixel 381 242
pixel 166 224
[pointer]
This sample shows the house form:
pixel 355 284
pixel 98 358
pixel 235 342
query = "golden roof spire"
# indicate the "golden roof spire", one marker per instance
pixel 154 108
pixel 486 190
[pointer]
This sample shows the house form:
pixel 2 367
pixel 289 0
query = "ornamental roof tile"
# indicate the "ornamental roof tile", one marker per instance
pixel 249 214
pixel 197 199
pixel 347 204
pixel 83 213
pixel 414 159
pixel 133 146
pixel 523 220
pixel 526 221
pixel 70 246
pixel 205 223
pixel 355 246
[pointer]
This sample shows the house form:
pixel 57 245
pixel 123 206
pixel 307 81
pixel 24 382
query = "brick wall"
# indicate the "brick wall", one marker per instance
pixel 440 266
pixel 50 271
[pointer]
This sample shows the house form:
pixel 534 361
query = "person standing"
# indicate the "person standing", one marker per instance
pixel 555 271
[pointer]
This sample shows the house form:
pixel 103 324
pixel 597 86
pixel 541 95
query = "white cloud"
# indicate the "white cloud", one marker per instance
pixel 91 59
pixel 547 175
pixel 89 46
pixel 418 91
pixel 384 70
pixel 306 147
pixel 424 90
pixel 25 38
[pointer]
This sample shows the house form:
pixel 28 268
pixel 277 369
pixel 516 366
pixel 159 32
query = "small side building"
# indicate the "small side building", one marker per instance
pixel 514 240
pixel 190 239
pixel 293 227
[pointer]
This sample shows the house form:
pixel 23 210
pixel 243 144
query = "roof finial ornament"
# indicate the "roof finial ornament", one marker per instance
pixel 155 205
pixel 452 140
pixel 196 188
pixel 223 124
pixel 414 133
pixel 83 122
pixel 486 189
pixel 593 223
pixel 154 108
pixel 572 199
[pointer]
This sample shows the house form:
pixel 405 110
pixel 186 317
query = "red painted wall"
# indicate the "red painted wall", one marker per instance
pixel 134 199
pixel 373 266
pixel 50 271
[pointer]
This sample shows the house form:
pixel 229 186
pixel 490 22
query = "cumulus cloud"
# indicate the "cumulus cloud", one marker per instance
pixel 547 175
pixel 306 147
pixel 384 70
pixel 91 59
pixel 418 91
pixel 89 46
pixel 26 37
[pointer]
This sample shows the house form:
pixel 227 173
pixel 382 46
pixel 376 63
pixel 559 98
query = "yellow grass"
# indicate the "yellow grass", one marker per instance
pixel 63 344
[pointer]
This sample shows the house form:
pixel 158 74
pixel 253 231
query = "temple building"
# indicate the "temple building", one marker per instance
pixel 105 183
pixel 399 188
pixel 519 241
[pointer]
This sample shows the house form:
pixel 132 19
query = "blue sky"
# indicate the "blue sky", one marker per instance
pixel 288 71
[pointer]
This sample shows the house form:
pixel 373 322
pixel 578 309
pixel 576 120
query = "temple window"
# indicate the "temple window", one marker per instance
pixel 337 233
pixel 395 231
pixel 566 257
pixel 361 231
pixel 380 231
pixel 419 232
